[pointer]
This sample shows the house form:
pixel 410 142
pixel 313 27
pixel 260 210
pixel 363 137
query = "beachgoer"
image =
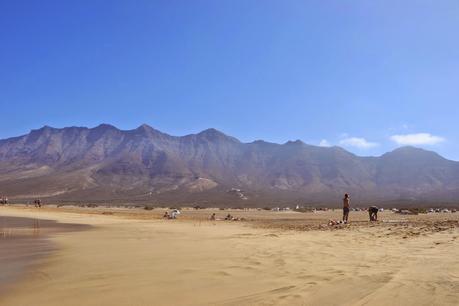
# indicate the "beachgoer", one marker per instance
pixel 373 212
pixel 166 215
pixel 174 214
pixel 346 206
pixel 212 217
pixel 37 203
pixel 229 217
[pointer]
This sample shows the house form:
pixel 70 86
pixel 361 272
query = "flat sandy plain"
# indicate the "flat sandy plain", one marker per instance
pixel 133 257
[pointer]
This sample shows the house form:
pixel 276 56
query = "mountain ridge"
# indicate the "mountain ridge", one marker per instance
pixel 147 165
pixel 213 130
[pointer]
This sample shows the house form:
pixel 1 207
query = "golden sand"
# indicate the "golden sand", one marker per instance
pixel 130 261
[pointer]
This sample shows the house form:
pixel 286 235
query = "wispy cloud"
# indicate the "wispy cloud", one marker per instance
pixel 417 139
pixel 358 142
pixel 324 143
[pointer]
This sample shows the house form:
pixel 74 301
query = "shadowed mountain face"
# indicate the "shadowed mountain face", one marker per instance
pixel 211 168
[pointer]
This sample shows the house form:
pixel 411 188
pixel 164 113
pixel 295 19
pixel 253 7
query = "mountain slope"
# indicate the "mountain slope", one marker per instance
pixel 146 165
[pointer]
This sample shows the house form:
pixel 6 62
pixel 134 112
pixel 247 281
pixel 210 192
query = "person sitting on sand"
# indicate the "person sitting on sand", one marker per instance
pixel 212 217
pixel 373 212
pixel 229 217
pixel 166 215
pixel 346 206
pixel 174 214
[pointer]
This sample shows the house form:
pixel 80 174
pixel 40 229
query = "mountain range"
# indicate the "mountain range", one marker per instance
pixel 144 165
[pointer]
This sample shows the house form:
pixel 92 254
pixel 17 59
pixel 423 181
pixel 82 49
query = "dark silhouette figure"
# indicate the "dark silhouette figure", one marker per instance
pixel 373 212
pixel 346 207
pixel 37 203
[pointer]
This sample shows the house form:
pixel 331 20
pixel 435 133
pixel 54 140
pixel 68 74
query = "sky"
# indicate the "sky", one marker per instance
pixel 369 76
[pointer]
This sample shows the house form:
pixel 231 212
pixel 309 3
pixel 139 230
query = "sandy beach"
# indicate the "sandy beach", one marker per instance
pixel 132 257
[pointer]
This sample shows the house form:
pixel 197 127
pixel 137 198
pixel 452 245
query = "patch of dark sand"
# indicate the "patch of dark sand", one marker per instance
pixel 23 242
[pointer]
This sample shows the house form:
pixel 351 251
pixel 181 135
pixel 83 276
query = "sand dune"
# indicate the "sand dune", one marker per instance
pixel 125 261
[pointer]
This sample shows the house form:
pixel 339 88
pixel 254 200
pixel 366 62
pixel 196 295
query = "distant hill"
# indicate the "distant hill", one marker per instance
pixel 210 168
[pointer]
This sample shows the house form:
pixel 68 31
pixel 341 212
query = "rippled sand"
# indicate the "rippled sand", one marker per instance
pixel 137 259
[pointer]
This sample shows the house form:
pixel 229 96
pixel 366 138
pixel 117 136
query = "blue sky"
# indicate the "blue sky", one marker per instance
pixel 366 75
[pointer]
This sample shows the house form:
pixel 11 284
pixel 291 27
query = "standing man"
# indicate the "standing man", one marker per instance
pixel 346 205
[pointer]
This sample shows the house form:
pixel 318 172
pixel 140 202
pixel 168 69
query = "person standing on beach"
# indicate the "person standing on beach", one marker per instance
pixel 346 206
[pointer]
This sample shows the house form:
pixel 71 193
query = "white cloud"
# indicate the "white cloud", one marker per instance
pixel 417 139
pixel 324 143
pixel 358 142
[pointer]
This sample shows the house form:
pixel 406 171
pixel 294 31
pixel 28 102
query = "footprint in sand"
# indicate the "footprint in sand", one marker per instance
pixel 254 262
pixel 282 289
pixel 242 267
pixel 222 273
pixel 279 262
pixel 187 271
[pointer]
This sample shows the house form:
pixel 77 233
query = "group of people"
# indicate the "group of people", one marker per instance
pixel 229 217
pixel 175 213
pixel 372 210
pixel 37 203
pixel 4 200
